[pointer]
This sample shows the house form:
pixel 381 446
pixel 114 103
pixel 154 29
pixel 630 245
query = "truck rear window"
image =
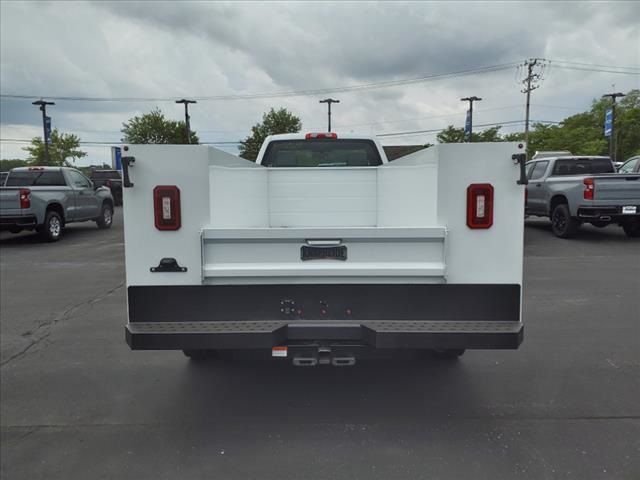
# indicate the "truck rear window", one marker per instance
pixel 35 178
pixel 583 166
pixel 322 153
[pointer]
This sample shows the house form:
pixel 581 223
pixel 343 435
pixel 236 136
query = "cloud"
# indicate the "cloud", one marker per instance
pixel 175 49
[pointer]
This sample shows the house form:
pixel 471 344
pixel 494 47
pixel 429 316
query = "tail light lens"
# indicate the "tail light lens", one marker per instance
pixel 332 135
pixel 25 198
pixel 589 188
pixel 480 205
pixel 166 207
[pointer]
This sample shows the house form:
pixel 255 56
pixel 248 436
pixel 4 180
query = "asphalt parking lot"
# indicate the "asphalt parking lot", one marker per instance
pixel 76 403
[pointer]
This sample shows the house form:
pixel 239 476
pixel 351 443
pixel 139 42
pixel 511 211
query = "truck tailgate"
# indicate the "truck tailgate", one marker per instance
pixel 9 198
pixel 625 188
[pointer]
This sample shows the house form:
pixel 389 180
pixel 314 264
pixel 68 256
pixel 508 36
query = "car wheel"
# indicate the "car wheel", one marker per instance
pixel 106 216
pixel 632 229
pixel 562 223
pixel 52 227
pixel 200 355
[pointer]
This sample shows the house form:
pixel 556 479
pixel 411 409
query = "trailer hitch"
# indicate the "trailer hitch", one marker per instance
pixel 521 158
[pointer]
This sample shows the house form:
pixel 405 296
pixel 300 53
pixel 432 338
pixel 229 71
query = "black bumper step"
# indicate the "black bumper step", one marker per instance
pixel 375 333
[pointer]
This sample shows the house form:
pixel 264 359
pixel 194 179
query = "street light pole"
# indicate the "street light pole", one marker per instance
pixel 612 138
pixel 186 116
pixel 471 100
pixel 329 101
pixel 43 108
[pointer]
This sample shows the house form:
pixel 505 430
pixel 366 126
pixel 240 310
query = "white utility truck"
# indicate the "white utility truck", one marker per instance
pixel 322 251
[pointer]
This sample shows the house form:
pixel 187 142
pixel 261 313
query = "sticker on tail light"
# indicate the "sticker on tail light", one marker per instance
pixel 166 207
pixel 480 205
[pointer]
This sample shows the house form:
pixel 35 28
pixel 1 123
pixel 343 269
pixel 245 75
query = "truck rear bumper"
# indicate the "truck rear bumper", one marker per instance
pixel 436 316
pixel 8 222
pixel 396 334
pixel 607 213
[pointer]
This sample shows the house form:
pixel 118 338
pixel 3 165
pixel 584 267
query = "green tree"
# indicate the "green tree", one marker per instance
pixel 7 164
pixel 63 147
pixel 154 127
pixel 583 133
pixel 273 122
pixel 456 135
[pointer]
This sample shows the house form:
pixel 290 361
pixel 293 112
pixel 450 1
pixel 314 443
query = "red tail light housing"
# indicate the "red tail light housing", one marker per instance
pixel 25 198
pixel 331 135
pixel 166 207
pixel 589 188
pixel 480 205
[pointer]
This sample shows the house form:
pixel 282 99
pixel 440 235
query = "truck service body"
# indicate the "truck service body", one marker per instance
pixel 322 250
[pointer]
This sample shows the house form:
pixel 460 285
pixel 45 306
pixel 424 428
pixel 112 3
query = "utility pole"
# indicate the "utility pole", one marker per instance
pixel 329 101
pixel 46 126
pixel 186 116
pixel 470 114
pixel 612 137
pixel 530 84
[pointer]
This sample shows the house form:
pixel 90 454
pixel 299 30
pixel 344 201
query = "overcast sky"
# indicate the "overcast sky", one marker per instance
pixel 181 49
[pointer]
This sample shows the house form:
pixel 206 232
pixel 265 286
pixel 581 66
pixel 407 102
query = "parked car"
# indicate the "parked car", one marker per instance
pixel 45 199
pixel 110 179
pixel 574 190
pixel 630 166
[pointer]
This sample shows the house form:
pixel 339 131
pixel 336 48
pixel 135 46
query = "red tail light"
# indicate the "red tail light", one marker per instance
pixel 25 198
pixel 309 136
pixel 166 207
pixel 480 205
pixel 589 188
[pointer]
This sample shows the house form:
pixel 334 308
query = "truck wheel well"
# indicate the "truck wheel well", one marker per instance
pixel 555 201
pixel 108 202
pixel 56 207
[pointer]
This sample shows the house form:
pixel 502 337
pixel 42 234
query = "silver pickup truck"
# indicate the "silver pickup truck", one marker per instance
pixel 48 198
pixel 573 190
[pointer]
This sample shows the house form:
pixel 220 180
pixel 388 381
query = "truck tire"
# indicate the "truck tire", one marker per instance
pixel 448 354
pixel 632 229
pixel 200 355
pixel 52 227
pixel 106 216
pixel 562 223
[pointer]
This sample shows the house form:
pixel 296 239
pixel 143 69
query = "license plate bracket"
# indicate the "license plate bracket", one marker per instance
pixel 323 252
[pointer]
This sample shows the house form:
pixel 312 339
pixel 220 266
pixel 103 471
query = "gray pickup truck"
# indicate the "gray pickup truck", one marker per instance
pixel 48 198
pixel 573 190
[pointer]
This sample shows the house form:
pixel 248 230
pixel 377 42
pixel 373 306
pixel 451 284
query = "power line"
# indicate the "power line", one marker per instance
pixel 294 93
pixel 636 67
pixel 494 124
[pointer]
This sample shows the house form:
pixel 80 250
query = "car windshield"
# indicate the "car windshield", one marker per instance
pixel 34 178
pixel 322 153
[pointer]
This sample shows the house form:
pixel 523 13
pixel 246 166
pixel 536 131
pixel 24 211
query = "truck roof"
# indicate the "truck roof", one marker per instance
pixel 570 157
pixel 43 168
pixel 303 136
